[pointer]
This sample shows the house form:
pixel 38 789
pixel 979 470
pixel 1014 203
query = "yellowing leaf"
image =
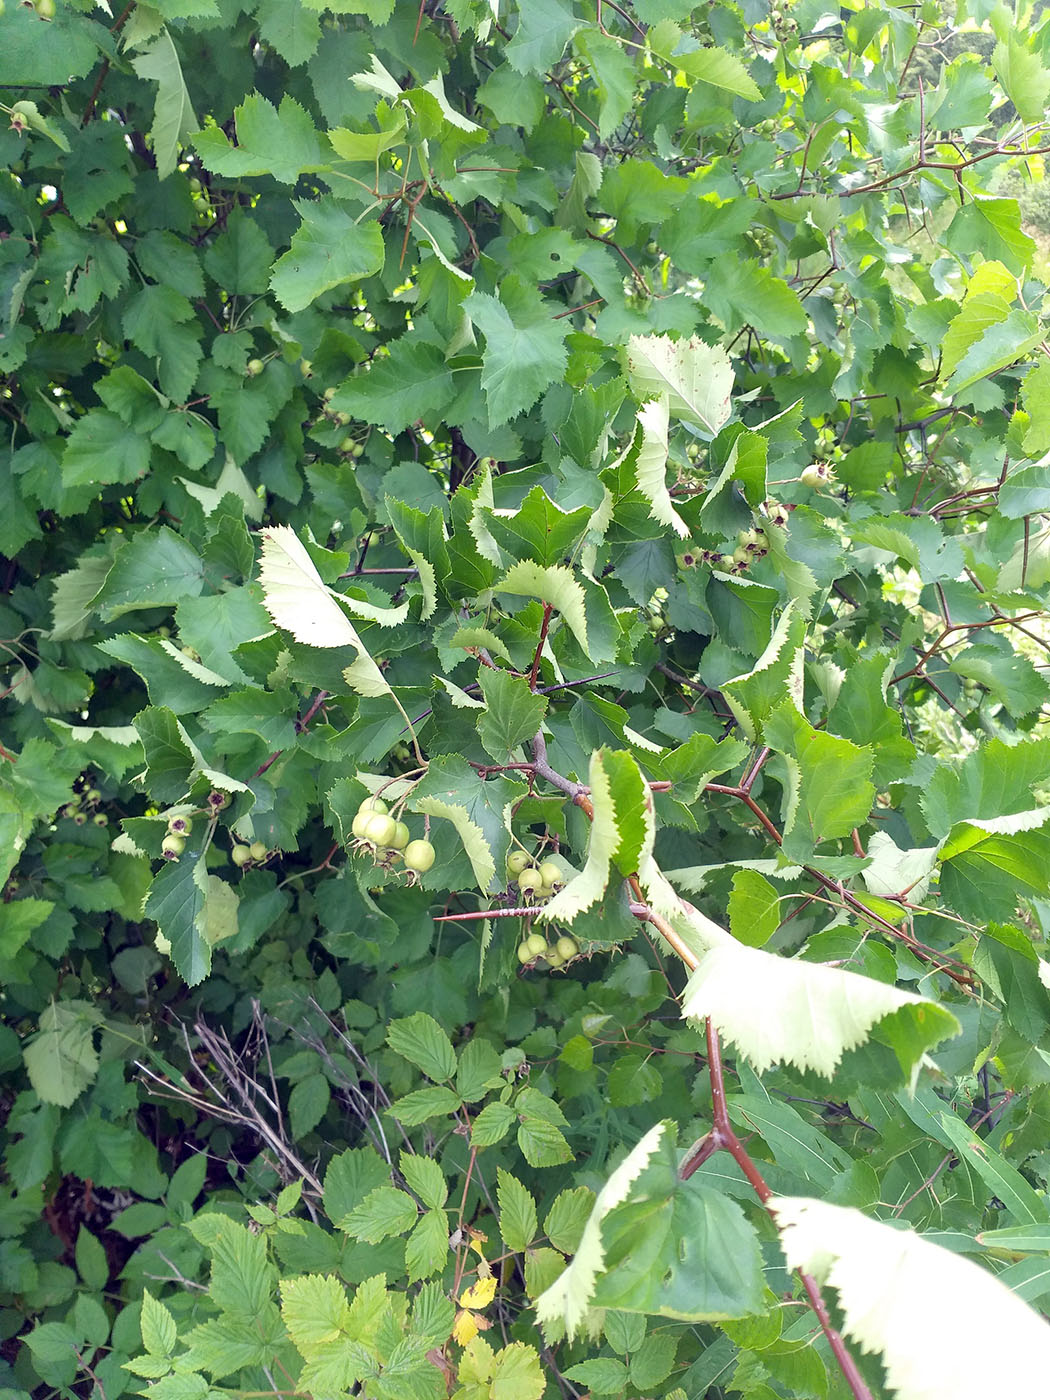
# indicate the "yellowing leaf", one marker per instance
pixel 478 1295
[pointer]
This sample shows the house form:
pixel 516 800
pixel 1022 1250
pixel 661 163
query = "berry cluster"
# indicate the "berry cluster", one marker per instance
pixel 389 839
pixel 84 806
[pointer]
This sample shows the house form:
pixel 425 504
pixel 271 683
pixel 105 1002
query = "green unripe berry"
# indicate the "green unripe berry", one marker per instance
pixel 71 809
pixel 814 476
pixel 360 822
pixel 92 795
pixel 241 856
pixel 518 861
pixel 401 836
pixel 530 880
pixel 551 875
pixel 258 850
pixel 373 804
pixel 554 958
pixel 419 856
pixel 180 826
pixel 255 367
pixel 524 954
pixel 536 944
pixel 567 947
pixel 80 818
pixel 217 801
pixel 45 9
pixel 100 819
pixel 172 846
pixel 380 829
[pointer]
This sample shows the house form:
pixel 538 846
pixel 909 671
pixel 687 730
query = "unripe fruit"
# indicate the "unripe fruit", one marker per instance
pixel 567 947
pixel 45 9
pixel 530 880
pixel 554 958
pixel 307 368
pixel 217 801
pixel 518 861
pixel 180 826
pixel 100 819
pixel 172 846
pixel 258 850
pixel 741 556
pixel 80 819
pixel 551 875
pixel 255 367
pixel 342 418
pixel 815 476
pixel 419 856
pixel 524 955
pixel 401 836
pixel 536 944
pixel 330 393
pixel 241 856
pixel 360 822
pixel 71 809
pixel 195 186
pixel 92 795
pixel 373 804
pixel 347 446
pixel 380 829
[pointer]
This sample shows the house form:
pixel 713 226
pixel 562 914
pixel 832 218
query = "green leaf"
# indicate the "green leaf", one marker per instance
pixel 281 142
pixel 427 1248
pixel 100 449
pixel 158 1327
pixel 542 1144
pixel 425 1178
pixel 744 293
pixel 174 120
pixel 298 600
pixel 410 382
pixel 351 1175
pixel 829 781
pixel 423 1104
pixel 754 909
pixel 421 1040
pixel 554 586
pixel 652 465
pixel 328 249
pixel 695 378
pixel 1025 80
pixel 308 1104
pixel 155 568
pixel 544 28
pixel 176 903
pixel 518 1221
pixel 524 346
pixel 315 1311
pixel 613 74
pixel 804 1013
pixel 92 1264
pixel 290 28
pixel 513 713
pixel 384 1212
pixel 994 226
pixel 602 1375
pixel 242 1279
pixel 1010 679
pixel 169 757
pixel 61 1059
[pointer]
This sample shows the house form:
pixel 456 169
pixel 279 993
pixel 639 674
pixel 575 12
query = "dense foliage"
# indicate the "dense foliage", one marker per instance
pixel 616 439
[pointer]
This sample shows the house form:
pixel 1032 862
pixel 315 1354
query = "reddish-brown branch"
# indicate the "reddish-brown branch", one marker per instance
pixel 544 625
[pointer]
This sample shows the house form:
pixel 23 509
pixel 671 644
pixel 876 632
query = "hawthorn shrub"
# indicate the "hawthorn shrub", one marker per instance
pixel 526 544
